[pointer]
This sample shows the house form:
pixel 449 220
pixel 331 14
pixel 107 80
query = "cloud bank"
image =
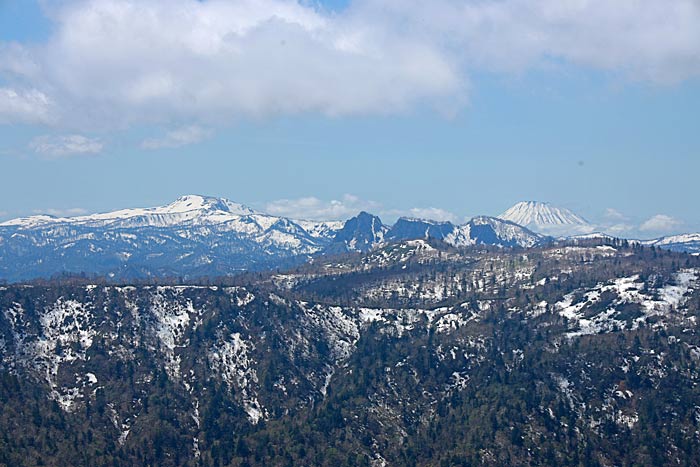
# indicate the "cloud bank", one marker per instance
pixel 62 212
pixel 348 206
pixel 313 208
pixel 431 213
pixel 117 63
pixel 661 223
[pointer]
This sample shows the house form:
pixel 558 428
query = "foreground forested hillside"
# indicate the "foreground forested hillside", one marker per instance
pixel 416 354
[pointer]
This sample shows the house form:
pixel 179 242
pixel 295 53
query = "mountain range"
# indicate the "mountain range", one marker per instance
pixel 203 236
pixel 197 236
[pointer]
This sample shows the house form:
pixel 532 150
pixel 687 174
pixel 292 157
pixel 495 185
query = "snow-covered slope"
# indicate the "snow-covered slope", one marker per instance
pixel 547 219
pixel 688 243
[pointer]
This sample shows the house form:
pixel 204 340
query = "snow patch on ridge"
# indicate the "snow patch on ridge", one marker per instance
pixel 627 291
pixel 66 335
pixel 172 320
pixel 232 360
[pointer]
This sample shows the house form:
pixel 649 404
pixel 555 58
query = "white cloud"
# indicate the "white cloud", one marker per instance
pixel 614 215
pixel 348 206
pixel 616 223
pixel 179 137
pixel 24 106
pixel 17 60
pixel 62 212
pixel 435 214
pixel 655 40
pixel 217 60
pixel 661 223
pixel 316 209
pixel 120 62
pixel 56 147
pixel 620 229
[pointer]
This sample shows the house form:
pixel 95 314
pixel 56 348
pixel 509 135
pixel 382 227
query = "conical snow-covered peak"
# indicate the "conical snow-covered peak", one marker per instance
pixel 545 218
pixel 538 213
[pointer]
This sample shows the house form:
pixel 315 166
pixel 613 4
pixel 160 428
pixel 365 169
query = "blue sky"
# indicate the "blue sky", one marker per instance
pixel 345 106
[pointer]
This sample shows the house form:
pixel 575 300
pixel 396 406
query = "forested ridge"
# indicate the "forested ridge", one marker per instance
pixel 415 354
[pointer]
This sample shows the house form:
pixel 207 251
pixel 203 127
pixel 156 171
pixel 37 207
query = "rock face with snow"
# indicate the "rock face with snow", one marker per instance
pixel 408 228
pixel 494 231
pixel 480 230
pixel 547 219
pixel 361 233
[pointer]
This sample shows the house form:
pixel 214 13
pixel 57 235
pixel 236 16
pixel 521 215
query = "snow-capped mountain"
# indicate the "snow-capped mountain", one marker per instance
pixel 193 236
pixel 547 219
pixel 190 209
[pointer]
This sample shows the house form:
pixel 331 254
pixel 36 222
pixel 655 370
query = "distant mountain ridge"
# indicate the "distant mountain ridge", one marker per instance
pixel 197 236
pixel 193 236
pixel 689 243
pixel 186 209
